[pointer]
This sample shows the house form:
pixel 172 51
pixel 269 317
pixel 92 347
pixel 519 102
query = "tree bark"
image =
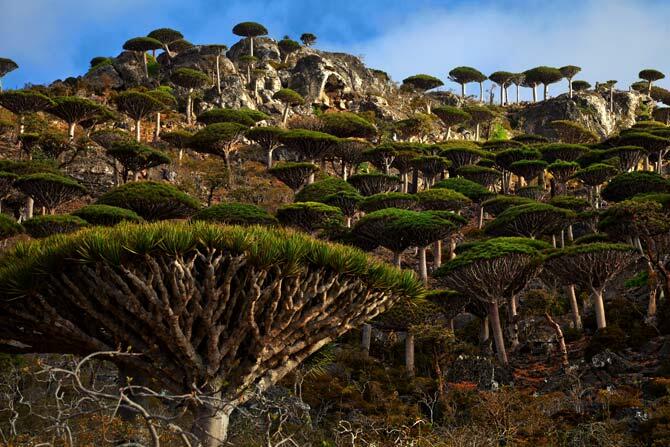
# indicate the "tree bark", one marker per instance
pixel 534 93
pixel 70 131
pixel 513 325
pixel 210 425
pixel 189 107
pixel 437 254
pixel 269 158
pixel 481 92
pixel 546 91
pixel 397 259
pixel 423 267
pixel 570 87
pixel 574 307
pixel 494 318
pixel 452 248
pixel 409 353
pixel 157 134
pixel 218 74
pixel 366 338
pixel 561 340
pixel 138 130
pixel 480 222
pixel 284 117
pixel 144 62
pixel 251 46
pixel 30 207
pixel 599 306
pixel 463 91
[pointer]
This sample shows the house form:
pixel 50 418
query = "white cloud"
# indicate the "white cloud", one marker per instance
pixel 609 39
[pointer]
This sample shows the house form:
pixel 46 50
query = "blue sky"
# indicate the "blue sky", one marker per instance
pixel 610 39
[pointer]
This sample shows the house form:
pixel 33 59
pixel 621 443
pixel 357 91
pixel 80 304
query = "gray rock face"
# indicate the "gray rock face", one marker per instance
pixel 587 108
pixel 105 77
pixel 130 69
pixel 479 370
pixel 265 49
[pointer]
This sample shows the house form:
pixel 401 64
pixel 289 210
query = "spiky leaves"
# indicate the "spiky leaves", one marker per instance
pixel 23 102
pixel 136 157
pixel 473 191
pixel 442 200
pixel 151 200
pixel 49 190
pixel 480 174
pixel 530 220
pixel 528 169
pixel 382 201
pixel 219 139
pixel 221 342
pixel 9 227
pixel 493 272
pixel 592 266
pixel 310 216
pixel 318 191
pixel 562 151
pixel 500 203
pixel 235 214
pixel 596 174
pixel 293 175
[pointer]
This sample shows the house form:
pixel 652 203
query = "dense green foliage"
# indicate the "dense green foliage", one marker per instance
pixel 235 214
pixel 151 200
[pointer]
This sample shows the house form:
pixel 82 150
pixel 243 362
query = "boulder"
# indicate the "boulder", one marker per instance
pixel 265 49
pixel 103 78
pixel 130 68
pixel 479 370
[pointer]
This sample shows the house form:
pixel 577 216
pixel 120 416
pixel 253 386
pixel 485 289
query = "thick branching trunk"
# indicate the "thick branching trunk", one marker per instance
pixel 138 130
pixel 423 265
pixel 494 319
pixel 409 353
pixel 561 340
pixel 574 307
pixel 210 425
pixel 599 306
pixel 366 338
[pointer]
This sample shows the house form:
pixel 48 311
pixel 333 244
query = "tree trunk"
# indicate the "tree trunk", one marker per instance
pixel 452 248
pixel 546 91
pixel 189 107
pixel 409 354
pixel 463 91
pixel 574 307
pixel 423 267
pixel 653 291
pixel 599 306
pixel 481 92
pixel 218 74
pixel 70 131
pixel 571 236
pixel 484 337
pixel 138 130
pixel 437 254
pixel 366 338
pixel 269 158
pixel 570 87
pixel 502 95
pixel 480 223
pixel 561 340
pixel 251 46
pixel 144 62
pixel 415 181
pixel 494 318
pixel 397 259
pixel 210 425
pixel 448 133
pixel 284 116
pixel 513 325
pixel 477 132
pixel 517 93
pixel 534 93
pixel 157 134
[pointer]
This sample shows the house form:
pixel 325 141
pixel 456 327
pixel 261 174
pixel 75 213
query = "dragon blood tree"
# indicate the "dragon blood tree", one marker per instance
pixel 347 125
pixel 530 220
pixel 235 214
pixel 562 171
pixel 24 102
pixel 250 318
pixel 493 272
pixel 349 153
pixel 627 185
pixel 294 175
pixel 268 138
pixel 431 167
pixel 374 183
pixel 49 190
pixel 190 79
pixel 310 216
pixel 451 116
pixel 310 145
pixel 593 176
pixel 73 110
pixel 289 98
pixel 136 157
pixel 422 83
pixel 385 200
pixel 376 228
pixel 592 266
pixel 486 177
pixel 6 66
pixel 466 75
pixel 628 156
pixel 348 202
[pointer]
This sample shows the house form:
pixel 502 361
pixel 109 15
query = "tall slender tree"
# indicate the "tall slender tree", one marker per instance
pixel 138 105
pixel 140 45
pixel 466 75
pixel 189 79
pixel 569 72
pixel 650 75
pixel 250 30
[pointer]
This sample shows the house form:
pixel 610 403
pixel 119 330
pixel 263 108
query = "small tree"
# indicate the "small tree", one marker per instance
pixel 451 116
pixel 655 145
pixel 442 200
pixel 594 176
pixel 189 79
pixel 487 177
pixel 268 138
pixel 466 75
pixel 293 175
pixel 178 139
pixel 218 51
pixel 374 183
pixel 422 83
pixel 629 156
pixel 106 215
pixel 462 156
pixel 250 30
pixel 235 214
pixel 385 200
pixel 562 151
pixel 431 167
pixel 479 115
pixel 73 110
pixel 573 133
pixel 650 75
pixel 562 171
pixel 542 75
pixel 166 36
pixel 493 272
pixel 220 139
pixel 530 220
pixel 140 45
pixel 49 190
pixel 6 66
pixel 288 46
pixel 569 72
pixel 580 86
pixel 310 216
pixel 502 78
pixel 498 204
pixel 24 102
pixel 308 39
pixel 164 96
pixel 348 202
pixel 529 169
pixel 310 145
pixel 289 98
pixel 151 200
pixel 45 226
pixel 9 227
pixel 592 266
pixel 347 125
pixel 317 191
pixel 136 157
pixel 137 106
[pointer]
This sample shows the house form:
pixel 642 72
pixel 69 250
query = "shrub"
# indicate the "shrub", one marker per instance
pixel 9 227
pixel 317 191
pixel 310 216
pixel 471 190
pixel 151 200
pixel 106 215
pixel 630 184
pixel 389 200
pixel 374 183
pixel 347 125
pixel 48 189
pixel 48 225
pixel 235 214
